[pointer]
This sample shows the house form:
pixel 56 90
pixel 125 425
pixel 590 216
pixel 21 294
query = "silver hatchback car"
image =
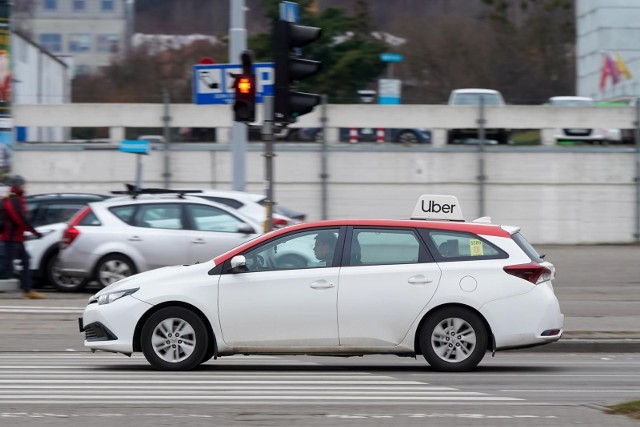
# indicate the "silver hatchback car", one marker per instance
pixel 119 237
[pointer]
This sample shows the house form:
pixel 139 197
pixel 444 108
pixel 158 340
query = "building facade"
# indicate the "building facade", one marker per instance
pixel 608 49
pixel 89 32
pixel 38 78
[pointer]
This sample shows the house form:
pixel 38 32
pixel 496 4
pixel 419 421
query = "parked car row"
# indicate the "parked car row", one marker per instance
pixel 90 237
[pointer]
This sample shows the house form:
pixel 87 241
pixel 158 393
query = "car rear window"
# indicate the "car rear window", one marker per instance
pixel 90 219
pixel 526 247
pixel 460 246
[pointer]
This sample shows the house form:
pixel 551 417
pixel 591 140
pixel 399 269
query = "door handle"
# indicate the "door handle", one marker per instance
pixel 198 241
pixel 135 239
pixel 419 280
pixel 321 284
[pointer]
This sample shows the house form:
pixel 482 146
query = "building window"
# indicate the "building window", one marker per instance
pixel 50 4
pixel 51 42
pixel 82 69
pixel 79 5
pixel 79 43
pixel 107 43
pixel 106 5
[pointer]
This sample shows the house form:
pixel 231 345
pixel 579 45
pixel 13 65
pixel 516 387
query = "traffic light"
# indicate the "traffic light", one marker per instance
pixel 244 107
pixel 290 68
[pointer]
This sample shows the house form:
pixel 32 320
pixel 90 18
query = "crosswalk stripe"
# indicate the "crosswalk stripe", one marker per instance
pixel 55 378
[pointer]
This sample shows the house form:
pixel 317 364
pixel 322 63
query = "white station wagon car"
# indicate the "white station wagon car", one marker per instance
pixel 448 290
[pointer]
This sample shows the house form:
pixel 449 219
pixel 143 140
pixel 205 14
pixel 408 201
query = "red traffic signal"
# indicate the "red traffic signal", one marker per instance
pixel 244 106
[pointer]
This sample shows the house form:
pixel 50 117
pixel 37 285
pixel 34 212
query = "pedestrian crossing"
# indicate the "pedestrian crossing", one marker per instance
pixel 85 378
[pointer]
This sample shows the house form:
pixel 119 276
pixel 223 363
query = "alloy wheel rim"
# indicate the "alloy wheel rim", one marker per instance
pixel 173 340
pixel 453 340
pixel 112 271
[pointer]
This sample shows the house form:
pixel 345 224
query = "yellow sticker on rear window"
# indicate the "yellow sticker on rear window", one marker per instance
pixel 475 246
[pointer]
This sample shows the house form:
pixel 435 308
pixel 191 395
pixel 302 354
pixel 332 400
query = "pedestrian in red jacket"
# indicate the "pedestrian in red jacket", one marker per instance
pixel 14 210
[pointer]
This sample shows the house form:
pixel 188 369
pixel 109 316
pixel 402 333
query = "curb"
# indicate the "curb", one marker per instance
pixel 610 345
pixel 9 285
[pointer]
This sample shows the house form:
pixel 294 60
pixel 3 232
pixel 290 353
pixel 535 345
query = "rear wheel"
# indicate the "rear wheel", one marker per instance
pixel 112 268
pixel 454 339
pixel 61 282
pixel 174 338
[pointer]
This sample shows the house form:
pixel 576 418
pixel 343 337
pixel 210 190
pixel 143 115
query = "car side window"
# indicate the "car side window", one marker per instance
pixel 311 249
pixel 384 247
pixel 463 246
pixel 210 218
pixel 123 213
pixel 166 216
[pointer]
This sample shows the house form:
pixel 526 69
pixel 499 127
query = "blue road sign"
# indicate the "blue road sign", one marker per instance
pixel 391 57
pixel 289 11
pixel 135 146
pixel 213 83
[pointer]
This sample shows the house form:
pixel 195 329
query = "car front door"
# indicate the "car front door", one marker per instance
pixel 387 280
pixel 214 231
pixel 278 302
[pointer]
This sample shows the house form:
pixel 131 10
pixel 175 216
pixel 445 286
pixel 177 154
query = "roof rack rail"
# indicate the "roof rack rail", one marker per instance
pixel 134 191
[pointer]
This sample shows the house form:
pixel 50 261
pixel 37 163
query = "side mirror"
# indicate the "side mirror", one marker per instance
pixel 245 229
pixel 238 264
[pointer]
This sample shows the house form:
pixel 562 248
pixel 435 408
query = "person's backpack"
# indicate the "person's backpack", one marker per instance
pixel 3 216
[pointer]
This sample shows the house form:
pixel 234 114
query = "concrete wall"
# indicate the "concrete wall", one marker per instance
pixel 555 195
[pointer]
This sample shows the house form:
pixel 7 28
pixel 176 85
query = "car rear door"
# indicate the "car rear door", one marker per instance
pixel 156 232
pixel 387 279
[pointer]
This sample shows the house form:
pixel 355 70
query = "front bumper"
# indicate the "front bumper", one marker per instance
pixel 111 327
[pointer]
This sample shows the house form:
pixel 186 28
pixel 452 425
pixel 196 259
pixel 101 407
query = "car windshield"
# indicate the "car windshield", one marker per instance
pixel 474 99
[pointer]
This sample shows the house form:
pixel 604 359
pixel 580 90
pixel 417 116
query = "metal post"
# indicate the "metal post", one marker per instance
pixel 324 173
pixel 166 120
pixel 637 178
pixel 481 177
pixel 138 171
pixel 267 136
pixel 237 45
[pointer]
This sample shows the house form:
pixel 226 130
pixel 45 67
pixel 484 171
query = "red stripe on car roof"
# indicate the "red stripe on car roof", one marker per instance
pixel 469 227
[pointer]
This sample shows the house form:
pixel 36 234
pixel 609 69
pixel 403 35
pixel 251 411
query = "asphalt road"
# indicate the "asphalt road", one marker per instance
pixel 78 389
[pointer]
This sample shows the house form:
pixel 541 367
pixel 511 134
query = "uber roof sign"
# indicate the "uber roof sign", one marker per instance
pixel 438 207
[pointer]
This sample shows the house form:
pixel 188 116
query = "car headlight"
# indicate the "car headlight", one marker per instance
pixel 112 296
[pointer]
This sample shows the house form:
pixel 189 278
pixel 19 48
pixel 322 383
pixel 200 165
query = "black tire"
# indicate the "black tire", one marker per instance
pixel 112 268
pixel 453 339
pixel 174 339
pixel 59 281
pixel 407 137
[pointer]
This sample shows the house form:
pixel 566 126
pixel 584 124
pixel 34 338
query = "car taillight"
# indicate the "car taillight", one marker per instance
pixel 280 222
pixel 531 272
pixel 71 233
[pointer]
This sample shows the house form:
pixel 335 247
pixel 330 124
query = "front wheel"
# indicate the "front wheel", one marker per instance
pixel 454 339
pixel 175 339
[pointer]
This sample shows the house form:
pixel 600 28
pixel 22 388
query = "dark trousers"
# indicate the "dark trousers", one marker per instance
pixel 11 251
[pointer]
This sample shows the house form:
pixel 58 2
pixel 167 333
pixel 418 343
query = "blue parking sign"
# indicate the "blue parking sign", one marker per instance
pixel 213 83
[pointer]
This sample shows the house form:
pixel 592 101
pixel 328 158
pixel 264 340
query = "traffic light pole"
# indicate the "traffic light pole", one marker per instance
pixel 268 137
pixel 237 45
